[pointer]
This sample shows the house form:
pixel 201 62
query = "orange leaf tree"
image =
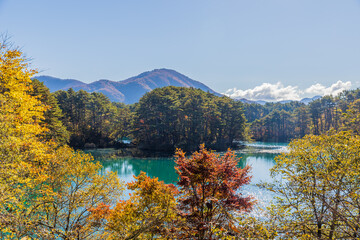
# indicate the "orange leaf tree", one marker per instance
pixel 150 213
pixel 209 192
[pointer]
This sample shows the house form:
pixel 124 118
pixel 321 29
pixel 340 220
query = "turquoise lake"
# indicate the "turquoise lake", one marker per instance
pixel 260 156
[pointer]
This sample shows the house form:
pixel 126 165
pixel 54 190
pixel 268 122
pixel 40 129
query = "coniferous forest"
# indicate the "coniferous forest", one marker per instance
pixel 282 122
pixel 48 190
pixel 174 117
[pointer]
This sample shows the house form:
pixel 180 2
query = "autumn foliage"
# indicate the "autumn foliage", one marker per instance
pixel 209 187
pixel 205 204
pixel 46 190
pixel 149 213
pixel 317 188
pixel 24 159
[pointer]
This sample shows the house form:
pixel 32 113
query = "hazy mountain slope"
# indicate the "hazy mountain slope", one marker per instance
pixel 55 84
pixel 309 100
pixel 304 100
pixel 129 90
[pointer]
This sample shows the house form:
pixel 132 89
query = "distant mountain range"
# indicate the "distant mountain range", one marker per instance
pixel 130 90
pixel 308 100
pixel 304 100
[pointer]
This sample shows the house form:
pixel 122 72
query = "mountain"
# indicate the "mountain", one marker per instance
pixel 130 90
pixel 55 84
pixel 261 102
pixel 308 100
pixel 244 100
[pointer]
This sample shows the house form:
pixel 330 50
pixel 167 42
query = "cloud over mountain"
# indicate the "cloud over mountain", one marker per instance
pixel 334 89
pixel 280 92
pixel 266 92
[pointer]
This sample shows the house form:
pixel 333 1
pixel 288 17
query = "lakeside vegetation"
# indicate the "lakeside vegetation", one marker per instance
pixel 177 117
pixel 163 120
pixel 282 122
pixel 50 191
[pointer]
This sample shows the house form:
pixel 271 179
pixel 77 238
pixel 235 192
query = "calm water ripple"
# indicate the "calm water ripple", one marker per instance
pixel 260 156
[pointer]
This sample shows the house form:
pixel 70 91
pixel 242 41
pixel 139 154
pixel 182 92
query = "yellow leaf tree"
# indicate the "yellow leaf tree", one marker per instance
pixel 23 158
pixel 317 188
pixel 46 191
pixel 77 188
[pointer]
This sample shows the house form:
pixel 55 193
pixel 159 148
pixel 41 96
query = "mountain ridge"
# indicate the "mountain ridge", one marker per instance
pixel 129 90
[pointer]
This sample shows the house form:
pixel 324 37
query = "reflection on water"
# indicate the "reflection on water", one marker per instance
pixel 127 167
pixel 260 147
pixel 260 156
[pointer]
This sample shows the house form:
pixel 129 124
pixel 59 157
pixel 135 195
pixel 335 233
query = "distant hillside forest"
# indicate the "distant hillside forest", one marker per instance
pixel 283 122
pixel 177 117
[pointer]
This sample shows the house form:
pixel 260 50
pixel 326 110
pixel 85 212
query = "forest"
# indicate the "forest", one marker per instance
pixel 173 117
pixel 51 191
pixel 283 122
pixel 163 120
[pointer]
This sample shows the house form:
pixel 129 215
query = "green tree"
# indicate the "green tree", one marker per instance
pixel 123 122
pixel 351 118
pixel 302 121
pixel 91 118
pixel 57 131
pixel 171 117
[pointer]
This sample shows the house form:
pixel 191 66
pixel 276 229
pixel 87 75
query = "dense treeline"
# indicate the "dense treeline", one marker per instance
pixel 163 120
pixel 174 117
pixel 283 122
pixel 52 116
pixel 92 119
pixel 177 117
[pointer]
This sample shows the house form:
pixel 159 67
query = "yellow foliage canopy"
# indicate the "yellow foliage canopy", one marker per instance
pixel 318 188
pixel 45 191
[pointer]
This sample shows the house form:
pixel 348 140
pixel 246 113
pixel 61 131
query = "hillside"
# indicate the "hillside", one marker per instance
pixel 130 90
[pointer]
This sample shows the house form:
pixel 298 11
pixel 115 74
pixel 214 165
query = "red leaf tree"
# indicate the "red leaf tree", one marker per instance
pixel 209 192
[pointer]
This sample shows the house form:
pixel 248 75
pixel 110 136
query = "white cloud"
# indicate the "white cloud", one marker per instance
pixel 266 92
pixel 336 88
pixel 279 92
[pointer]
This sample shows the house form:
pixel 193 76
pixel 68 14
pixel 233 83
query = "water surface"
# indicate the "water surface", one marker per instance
pixel 260 156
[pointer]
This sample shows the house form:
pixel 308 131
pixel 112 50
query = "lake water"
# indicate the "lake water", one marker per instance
pixel 260 156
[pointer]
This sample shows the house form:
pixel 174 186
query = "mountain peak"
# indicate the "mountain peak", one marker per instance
pixel 130 90
pixel 157 78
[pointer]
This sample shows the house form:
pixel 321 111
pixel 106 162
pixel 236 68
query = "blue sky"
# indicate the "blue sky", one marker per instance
pixel 256 48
